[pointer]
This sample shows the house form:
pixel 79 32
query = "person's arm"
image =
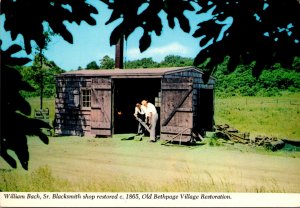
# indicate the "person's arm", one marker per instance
pixel 149 119
pixel 150 116
pixel 135 112
pixel 143 109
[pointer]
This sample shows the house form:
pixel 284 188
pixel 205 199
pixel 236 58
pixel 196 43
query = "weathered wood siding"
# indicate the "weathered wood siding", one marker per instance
pixel 101 106
pixel 190 116
pixel 177 109
pixel 70 119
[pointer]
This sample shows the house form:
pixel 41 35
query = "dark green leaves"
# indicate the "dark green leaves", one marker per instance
pixel 15 125
pixel 145 42
pixel 25 17
pixel 176 9
pixel 6 57
pixel 245 41
pixel 209 29
pixel 145 14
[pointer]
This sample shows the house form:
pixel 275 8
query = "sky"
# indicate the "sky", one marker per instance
pixel 91 43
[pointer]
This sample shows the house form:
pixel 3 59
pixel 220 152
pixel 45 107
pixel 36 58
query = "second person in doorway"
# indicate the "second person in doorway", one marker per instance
pixel 139 112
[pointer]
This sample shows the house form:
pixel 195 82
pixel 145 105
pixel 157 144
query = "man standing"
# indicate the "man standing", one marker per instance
pixel 151 118
pixel 140 113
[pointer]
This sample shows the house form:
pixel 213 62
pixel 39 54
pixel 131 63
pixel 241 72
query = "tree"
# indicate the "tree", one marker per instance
pixel 169 61
pixel 92 65
pixel 40 66
pixel 141 63
pixel 32 75
pixel 23 18
pixel 107 63
pixel 263 31
pixel 172 60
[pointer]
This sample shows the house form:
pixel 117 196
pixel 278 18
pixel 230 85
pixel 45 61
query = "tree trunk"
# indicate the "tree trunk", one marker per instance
pixel 42 91
pixel 42 79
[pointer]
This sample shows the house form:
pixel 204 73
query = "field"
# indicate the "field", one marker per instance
pixel 117 165
pixel 271 116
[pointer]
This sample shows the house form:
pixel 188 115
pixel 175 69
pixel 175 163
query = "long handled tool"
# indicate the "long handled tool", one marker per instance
pixel 143 123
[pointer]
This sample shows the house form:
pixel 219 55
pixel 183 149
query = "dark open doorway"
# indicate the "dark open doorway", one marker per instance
pixel 206 109
pixel 128 92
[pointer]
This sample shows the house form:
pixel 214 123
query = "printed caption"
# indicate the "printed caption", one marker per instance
pixel 116 196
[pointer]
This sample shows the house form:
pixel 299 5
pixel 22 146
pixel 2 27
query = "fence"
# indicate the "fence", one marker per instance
pixel 249 101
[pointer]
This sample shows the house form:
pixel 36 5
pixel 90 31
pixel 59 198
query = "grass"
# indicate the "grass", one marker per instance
pixel 271 116
pixel 42 179
pixel 47 103
pixel 114 165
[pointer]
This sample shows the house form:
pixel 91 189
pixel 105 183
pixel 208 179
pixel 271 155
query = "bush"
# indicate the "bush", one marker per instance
pixel 241 82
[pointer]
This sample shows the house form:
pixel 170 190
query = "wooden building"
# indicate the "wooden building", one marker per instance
pixel 102 102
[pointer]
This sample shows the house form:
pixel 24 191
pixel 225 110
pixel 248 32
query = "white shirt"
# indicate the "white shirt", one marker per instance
pixel 143 109
pixel 150 109
pixel 139 111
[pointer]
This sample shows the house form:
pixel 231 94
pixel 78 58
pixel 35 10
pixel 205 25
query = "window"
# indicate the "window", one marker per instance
pixel 86 98
pixel 73 99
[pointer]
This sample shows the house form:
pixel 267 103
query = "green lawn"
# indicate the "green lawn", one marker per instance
pixel 47 103
pixel 270 116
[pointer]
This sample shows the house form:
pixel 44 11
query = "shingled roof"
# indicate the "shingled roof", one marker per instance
pixel 130 73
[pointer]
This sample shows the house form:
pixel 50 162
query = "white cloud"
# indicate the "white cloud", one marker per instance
pixel 158 52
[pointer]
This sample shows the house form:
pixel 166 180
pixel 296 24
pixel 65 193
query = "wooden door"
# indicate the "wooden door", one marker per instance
pixel 101 110
pixel 177 109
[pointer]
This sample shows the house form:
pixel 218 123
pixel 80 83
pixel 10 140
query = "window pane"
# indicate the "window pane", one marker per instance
pixel 86 98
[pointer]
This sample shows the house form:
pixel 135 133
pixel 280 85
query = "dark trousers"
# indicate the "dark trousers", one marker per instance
pixel 141 128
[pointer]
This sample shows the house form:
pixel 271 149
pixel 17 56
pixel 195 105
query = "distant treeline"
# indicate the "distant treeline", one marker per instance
pixel 169 61
pixel 271 82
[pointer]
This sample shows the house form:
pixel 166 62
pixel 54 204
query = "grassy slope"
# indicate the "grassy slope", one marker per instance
pixel 110 164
